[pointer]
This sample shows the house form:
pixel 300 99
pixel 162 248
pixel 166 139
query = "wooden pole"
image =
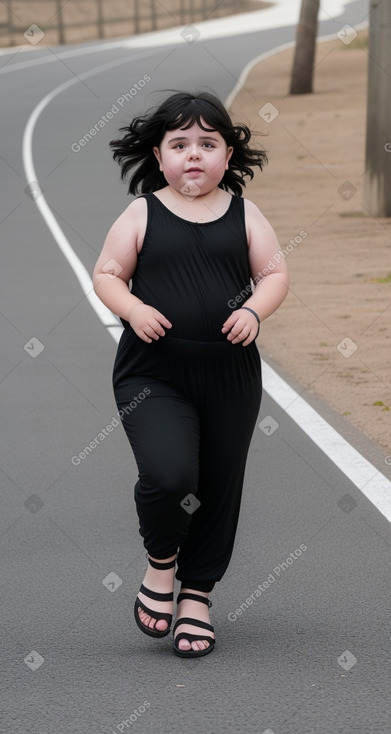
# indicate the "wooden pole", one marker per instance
pixel 304 58
pixel 61 31
pixel 377 180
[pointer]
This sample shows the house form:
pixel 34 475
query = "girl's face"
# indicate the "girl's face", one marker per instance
pixel 193 161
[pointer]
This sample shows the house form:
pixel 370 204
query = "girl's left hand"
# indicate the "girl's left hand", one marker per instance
pixel 242 327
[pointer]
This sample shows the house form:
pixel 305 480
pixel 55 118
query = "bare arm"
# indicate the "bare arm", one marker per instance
pixel 117 262
pixel 269 273
pixel 268 267
pixel 115 267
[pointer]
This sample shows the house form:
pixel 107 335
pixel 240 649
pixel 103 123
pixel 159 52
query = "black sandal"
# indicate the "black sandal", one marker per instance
pixel 197 623
pixel 157 596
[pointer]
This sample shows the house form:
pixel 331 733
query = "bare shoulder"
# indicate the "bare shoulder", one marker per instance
pixel 135 217
pixel 124 240
pixel 254 214
pixel 136 209
pixel 134 213
pixel 258 228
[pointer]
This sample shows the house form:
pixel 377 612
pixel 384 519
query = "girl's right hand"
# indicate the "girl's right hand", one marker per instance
pixel 147 322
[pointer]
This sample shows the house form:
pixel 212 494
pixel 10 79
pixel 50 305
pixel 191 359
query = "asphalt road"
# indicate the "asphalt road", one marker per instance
pixel 309 652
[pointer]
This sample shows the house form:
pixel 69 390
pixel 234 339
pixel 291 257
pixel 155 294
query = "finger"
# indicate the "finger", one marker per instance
pixel 141 335
pixel 244 333
pixel 237 328
pixel 232 335
pixel 157 327
pixel 229 323
pixel 162 319
pixel 248 341
pixel 150 332
pixel 251 337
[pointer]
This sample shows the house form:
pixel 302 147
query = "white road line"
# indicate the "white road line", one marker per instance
pixel 107 318
pixel 369 480
pixel 372 483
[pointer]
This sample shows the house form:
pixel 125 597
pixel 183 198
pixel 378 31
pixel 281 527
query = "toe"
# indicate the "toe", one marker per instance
pixel 200 645
pixel 161 625
pixel 184 645
pixel 146 619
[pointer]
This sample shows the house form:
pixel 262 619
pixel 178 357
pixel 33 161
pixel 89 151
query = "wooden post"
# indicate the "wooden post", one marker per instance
pixel 377 180
pixel 304 58
pixel 60 25
pixel 101 25
pixel 11 37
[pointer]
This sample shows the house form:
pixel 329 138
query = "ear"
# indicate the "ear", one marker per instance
pixel 157 154
pixel 230 150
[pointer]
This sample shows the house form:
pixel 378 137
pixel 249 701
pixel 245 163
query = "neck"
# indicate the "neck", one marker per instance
pixel 210 195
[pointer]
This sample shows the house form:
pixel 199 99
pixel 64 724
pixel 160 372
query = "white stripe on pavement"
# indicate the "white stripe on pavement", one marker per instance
pixel 107 317
pixel 365 476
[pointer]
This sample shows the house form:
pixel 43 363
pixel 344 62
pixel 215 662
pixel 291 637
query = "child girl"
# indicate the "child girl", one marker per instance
pixel 190 248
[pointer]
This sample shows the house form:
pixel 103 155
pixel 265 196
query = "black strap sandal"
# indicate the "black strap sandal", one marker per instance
pixel 157 596
pixel 197 623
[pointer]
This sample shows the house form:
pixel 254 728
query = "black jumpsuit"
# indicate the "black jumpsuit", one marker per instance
pixel 198 395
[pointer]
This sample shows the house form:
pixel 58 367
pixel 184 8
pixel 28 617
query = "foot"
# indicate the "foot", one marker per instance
pixel 197 610
pixel 163 583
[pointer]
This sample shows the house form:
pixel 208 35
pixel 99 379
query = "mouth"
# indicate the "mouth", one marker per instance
pixel 190 170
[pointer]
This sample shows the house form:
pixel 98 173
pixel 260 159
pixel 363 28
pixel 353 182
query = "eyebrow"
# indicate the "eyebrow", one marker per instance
pixel 202 137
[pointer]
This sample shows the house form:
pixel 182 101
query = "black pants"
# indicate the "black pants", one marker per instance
pixel 190 434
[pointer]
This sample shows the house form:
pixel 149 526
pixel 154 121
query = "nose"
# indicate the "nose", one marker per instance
pixel 193 151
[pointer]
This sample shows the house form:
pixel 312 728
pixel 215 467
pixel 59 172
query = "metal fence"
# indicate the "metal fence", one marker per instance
pixel 73 21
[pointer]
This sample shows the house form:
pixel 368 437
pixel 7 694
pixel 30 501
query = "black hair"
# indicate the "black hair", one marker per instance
pixel 181 110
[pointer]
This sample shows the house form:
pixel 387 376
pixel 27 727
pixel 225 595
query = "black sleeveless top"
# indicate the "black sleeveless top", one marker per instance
pixel 193 272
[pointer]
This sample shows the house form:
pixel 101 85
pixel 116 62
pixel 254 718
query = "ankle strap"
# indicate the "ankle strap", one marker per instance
pixel 161 566
pixel 193 597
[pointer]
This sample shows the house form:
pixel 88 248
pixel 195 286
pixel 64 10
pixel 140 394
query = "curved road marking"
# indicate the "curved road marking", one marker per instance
pixel 371 482
pixel 104 314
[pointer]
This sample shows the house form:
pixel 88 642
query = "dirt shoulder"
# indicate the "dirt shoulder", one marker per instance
pixel 75 22
pixel 332 334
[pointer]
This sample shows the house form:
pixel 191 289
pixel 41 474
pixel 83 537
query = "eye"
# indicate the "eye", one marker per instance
pixel 209 145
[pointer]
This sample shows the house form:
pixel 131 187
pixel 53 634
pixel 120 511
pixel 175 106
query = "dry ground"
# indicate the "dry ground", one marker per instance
pixel 86 20
pixel 340 273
